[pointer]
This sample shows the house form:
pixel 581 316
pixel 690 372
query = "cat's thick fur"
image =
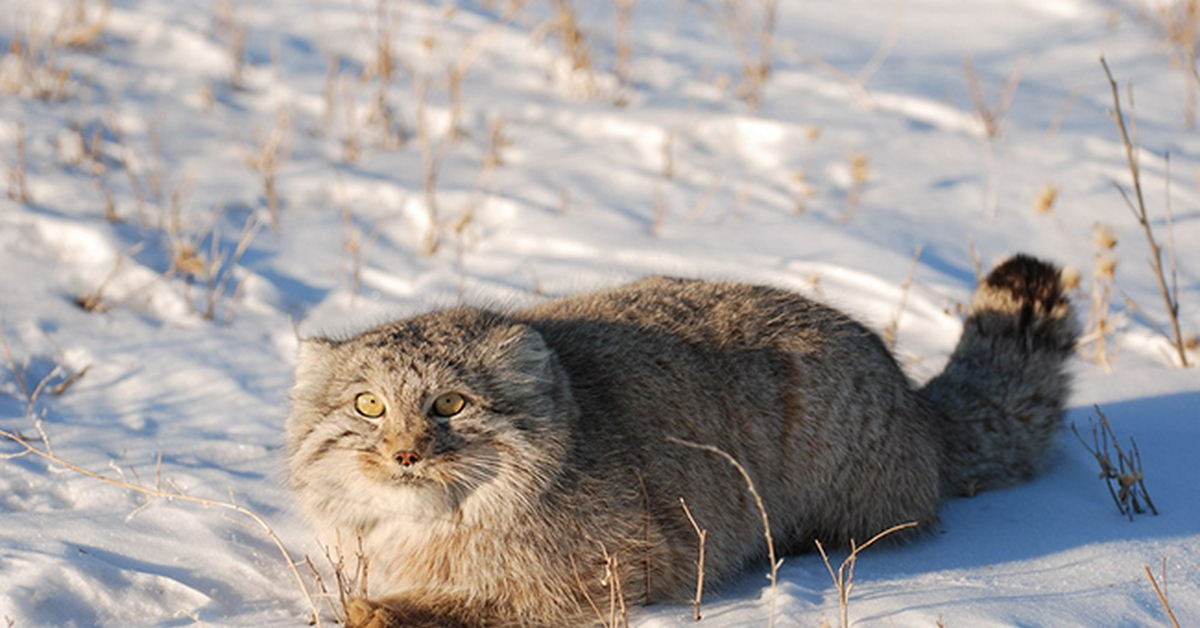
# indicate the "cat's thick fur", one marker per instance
pixel 559 481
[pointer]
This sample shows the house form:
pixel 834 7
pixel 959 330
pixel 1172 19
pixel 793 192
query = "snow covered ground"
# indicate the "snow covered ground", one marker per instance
pixel 145 144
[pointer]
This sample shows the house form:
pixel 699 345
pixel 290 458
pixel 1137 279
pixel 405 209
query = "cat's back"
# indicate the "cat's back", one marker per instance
pixel 705 314
pixel 791 388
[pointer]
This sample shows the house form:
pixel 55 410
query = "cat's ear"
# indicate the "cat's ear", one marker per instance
pixel 314 360
pixel 523 350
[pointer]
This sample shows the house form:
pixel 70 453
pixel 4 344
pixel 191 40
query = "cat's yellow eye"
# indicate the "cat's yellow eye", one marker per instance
pixel 448 404
pixel 368 405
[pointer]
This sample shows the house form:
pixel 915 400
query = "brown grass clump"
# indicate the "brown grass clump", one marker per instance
pixel 1124 478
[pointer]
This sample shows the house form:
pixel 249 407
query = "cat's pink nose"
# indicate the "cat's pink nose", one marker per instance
pixel 407 458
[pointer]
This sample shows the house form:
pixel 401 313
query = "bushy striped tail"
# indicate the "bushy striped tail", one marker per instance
pixel 1004 392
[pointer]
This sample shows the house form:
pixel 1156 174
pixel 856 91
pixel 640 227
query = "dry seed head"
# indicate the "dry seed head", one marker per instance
pixel 1044 202
pixel 1103 236
pixel 1071 278
pixel 812 133
pixel 186 260
pixel 1106 265
pixel 860 167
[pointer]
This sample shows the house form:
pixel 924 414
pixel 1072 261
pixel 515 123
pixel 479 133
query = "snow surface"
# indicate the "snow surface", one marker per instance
pixel 601 178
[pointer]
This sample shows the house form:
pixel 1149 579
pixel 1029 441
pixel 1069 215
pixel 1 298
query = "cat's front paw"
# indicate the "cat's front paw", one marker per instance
pixel 363 613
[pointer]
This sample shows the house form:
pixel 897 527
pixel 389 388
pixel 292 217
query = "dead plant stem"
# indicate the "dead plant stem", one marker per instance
pixel 1170 301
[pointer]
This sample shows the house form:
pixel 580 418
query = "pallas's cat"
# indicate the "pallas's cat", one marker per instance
pixel 520 469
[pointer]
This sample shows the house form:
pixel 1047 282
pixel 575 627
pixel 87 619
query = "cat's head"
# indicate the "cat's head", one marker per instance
pixel 452 414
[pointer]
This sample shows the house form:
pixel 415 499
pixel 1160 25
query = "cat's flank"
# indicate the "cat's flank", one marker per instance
pixel 519 469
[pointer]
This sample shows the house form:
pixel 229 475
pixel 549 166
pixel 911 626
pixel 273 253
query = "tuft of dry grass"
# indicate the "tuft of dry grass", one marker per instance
pixel 992 112
pixel 564 25
pixel 843 578
pixel 77 30
pixel 268 155
pixel 1125 480
pixel 31 67
pixel 752 27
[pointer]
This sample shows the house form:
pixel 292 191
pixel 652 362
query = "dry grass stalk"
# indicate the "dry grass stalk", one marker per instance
pixel 992 113
pixel 32 393
pixel 1060 116
pixel 157 493
pixel 618 613
pixel 843 579
pixel 383 70
pixel 350 149
pixel 1100 324
pixel 333 65
pixel 661 210
pixel 803 188
pixel 351 585
pixel 227 26
pixel 220 270
pixel 128 160
pixel 94 300
pixel 668 155
pixel 624 48
pixel 266 160
pixel 431 158
pixel 564 25
pixel 860 173
pixel 76 31
pixel 892 330
pixel 1161 592
pixel 1179 24
pixel 702 537
pixel 564 201
pixel 702 205
pixel 976 259
pixel 498 141
pixel 34 69
pixel 1137 206
pixel 1125 480
pixel 754 37
pixel 762 511
pixel 18 183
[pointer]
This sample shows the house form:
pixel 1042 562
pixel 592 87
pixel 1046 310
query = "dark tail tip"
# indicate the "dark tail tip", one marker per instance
pixel 1029 280
pixel 1031 292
